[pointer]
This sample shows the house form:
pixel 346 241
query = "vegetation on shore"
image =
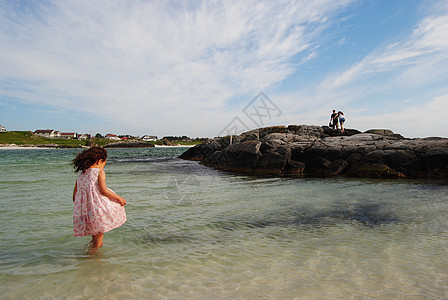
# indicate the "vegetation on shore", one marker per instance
pixel 178 140
pixel 27 138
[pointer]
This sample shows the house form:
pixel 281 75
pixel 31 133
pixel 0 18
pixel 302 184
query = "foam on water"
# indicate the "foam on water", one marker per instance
pixel 193 232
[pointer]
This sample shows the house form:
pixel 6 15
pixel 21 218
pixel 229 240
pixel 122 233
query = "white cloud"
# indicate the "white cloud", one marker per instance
pixel 178 67
pixel 413 121
pixel 145 63
pixel 424 52
pixel 417 63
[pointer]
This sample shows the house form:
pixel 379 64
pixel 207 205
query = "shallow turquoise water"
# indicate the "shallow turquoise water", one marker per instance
pixel 193 232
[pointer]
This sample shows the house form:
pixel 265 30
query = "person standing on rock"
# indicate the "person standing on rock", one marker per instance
pixel 341 118
pixel 334 120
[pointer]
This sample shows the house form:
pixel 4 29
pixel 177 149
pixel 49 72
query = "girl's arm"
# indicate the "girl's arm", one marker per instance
pixel 74 190
pixel 104 191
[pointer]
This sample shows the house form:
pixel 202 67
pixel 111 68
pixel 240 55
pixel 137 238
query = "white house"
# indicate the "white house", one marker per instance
pixel 68 135
pixel 2 128
pixel 48 133
pixel 84 136
pixel 113 137
pixel 149 138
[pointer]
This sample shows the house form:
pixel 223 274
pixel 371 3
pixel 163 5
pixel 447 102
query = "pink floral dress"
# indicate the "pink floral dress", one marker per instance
pixel 93 212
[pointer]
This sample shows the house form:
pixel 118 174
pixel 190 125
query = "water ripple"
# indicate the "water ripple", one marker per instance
pixel 242 237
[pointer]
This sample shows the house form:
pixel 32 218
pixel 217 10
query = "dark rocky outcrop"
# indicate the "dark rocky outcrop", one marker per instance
pixel 322 151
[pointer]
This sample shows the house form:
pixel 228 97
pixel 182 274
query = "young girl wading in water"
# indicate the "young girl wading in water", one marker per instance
pixel 97 209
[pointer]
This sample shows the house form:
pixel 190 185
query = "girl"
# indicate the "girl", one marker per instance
pixel 97 209
pixel 341 120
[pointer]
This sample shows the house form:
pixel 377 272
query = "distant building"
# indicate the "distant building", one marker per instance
pixel 48 133
pixel 84 136
pixel 68 135
pixel 112 137
pixel 149 138
pixel 2 128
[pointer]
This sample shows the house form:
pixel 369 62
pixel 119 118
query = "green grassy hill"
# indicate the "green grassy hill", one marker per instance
pixel 27 138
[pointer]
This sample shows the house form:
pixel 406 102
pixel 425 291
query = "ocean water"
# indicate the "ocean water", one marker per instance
pixel 197 233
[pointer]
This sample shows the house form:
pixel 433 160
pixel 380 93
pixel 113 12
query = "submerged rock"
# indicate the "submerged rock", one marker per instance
pixel 322 151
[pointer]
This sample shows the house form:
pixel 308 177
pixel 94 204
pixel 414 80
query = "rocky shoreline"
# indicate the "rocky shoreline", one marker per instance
pixel 305 150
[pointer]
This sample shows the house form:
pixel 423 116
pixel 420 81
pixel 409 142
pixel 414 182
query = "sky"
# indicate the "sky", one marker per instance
pixel 212 68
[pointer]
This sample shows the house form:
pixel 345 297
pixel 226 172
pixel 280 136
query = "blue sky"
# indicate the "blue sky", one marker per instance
pixel 192 67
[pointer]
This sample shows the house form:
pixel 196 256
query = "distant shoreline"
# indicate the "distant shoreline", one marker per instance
pixel 18 147
pixel 173 146
pixel 29 140
pixel 28 147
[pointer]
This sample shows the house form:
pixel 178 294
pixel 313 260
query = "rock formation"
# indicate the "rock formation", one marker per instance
pixel 322 151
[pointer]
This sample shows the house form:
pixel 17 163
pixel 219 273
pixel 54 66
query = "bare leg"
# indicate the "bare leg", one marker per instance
pixel 97 241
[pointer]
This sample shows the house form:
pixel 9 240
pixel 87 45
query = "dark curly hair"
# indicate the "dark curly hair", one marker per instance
pixel 88 157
